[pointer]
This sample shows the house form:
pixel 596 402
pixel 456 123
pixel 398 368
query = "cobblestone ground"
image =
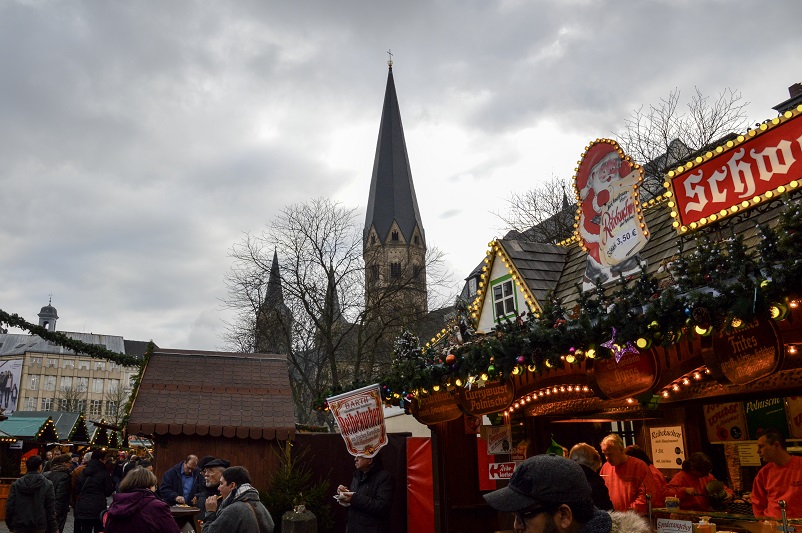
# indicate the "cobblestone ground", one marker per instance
pixel 67 527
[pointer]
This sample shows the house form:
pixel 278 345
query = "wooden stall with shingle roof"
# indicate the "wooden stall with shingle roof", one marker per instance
pixel 235 406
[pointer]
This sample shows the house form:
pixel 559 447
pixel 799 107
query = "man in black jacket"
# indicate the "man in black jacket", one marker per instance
pixel 93 486
pixel 369 497
pixel 31 504
pixel 61 478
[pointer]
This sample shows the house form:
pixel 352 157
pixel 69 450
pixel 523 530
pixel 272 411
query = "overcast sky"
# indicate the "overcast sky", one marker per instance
pixel 139 139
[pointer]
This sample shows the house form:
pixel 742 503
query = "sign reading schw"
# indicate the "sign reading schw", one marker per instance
pixel 760 162
pixel 743 355
pixel 360 417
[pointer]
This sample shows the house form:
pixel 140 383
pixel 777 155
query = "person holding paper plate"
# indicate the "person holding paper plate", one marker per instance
pixel 369 497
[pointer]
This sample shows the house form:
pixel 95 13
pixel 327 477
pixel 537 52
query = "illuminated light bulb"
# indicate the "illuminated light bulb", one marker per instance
pixel 570 358
pixel 548 392
pixel 458 382
pixel 484 377
pixel 792 349
pixel 591 353
pixel 436 388
pixel 541 394
pixel 665 394
pixel 697 375
pixel 736 322
pixel 570 388
pixel 793 304
pixel 630 401
pixel 532 368
pixel 562 389
pixel 675 387
pixel 547 363
pixel 686 381
pixel 516 370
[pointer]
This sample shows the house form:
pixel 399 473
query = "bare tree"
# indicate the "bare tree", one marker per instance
pixel 542 214
pixel 333 338
pixel 660 136
pixel 116 400
pixel 72 398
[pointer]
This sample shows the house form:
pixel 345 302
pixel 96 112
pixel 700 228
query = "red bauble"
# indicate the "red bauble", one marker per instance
pixel 451 359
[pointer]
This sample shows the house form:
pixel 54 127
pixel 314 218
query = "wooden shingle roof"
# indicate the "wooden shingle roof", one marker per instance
pixel 214 393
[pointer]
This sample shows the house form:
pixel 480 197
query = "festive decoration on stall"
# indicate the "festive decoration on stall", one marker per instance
pixel 717 284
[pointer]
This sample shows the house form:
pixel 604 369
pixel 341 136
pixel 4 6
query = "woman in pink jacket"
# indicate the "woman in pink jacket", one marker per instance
pixel 136 509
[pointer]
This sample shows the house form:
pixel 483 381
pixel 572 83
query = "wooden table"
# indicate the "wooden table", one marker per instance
pixel 185 518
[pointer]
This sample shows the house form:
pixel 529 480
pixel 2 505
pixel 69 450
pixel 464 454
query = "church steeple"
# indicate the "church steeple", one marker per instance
pixel 392 193
pixel 273 328
pixel 394 243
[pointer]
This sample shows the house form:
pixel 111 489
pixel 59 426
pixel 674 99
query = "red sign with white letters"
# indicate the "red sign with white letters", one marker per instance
pixel 501 470
pixel 747 170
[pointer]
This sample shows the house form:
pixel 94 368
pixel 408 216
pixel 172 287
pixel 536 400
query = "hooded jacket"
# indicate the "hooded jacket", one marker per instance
pixel 241 512
pixel 139 511
pixel 31 504
pixel 61 478
pixel 369 511
pixel 93 487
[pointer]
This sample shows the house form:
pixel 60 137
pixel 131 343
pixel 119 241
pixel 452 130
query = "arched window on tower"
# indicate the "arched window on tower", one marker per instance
pixel 416 239
pixel 372 240
pixel 394 235
pixel 373 273
pixel 395 270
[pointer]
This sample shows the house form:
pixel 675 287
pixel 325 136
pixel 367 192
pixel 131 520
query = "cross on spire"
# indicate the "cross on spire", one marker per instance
pixel 389 58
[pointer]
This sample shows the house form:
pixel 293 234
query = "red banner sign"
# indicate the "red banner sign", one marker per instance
pixel 746 171
pixel 501 470
pixel 633 374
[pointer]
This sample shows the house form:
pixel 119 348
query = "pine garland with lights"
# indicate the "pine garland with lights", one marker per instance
pixel 718 285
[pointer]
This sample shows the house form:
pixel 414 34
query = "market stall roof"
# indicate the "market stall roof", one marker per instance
pixel 29 427
pixel 69 426
pixel 214 393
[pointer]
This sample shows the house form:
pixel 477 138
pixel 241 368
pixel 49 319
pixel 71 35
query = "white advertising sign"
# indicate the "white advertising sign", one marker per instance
pixel 667 525
pixel 668 447
pixel 10 372
pixel 498 439
pixel 501 470
pixel 360 417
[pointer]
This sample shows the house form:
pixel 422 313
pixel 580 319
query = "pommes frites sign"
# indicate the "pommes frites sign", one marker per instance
pixel 360 417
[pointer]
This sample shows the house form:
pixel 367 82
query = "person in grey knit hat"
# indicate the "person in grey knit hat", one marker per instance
pixel 550 494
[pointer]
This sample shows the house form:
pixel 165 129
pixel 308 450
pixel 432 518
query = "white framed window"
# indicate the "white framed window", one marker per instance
pixel 33 381
pixel 66 382
pixel 50 383
pixel 82 384
pixel 503 298
pixel 47 404
pixel 52 362
pixel 81 406
pixel 69 363
pixel 131 380
pixel 114 366
pixel 111 408
pixel 95 407
pixel 112 386
pixel 35 361
pixel 30 404
pixel 100 365
pixel 97 385
pixel 83 364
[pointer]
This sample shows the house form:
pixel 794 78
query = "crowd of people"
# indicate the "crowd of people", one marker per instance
pixel 41 499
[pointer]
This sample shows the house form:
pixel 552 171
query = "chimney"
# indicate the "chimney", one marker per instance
pixel 795 89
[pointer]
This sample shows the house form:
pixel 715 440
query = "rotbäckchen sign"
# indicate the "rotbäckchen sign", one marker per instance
pixel 750 169
pixel 491 398
pixel 436 407
pixel 633 374
pixel 611 227
pixel 743 355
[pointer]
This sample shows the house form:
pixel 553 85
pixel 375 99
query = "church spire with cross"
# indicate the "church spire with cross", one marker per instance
pixel 394 242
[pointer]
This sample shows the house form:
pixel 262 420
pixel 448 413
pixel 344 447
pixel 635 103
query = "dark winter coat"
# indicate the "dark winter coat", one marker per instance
pixel 369 511
pixel 139 511
pixel 172 487
pixel 601 496
pixel 61 477
pixel 93 487
pixel 31 504
pixel 241 512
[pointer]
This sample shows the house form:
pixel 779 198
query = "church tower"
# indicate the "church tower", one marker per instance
pixel 273 332
pixel 394 243
pixel 48 316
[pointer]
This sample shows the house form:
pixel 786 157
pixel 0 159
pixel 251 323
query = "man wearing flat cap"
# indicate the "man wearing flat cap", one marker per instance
pixel 550 494
pixel 211 469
